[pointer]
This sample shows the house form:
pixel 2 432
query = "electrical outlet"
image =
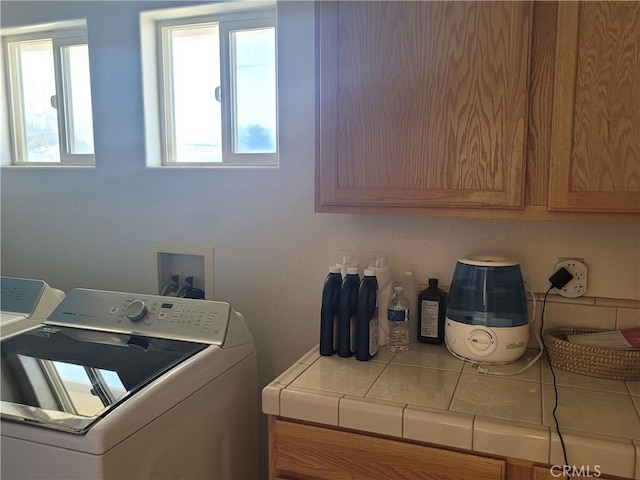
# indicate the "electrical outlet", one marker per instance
pixel 578 285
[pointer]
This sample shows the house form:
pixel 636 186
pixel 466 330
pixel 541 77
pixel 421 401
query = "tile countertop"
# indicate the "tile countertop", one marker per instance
pixel 428 395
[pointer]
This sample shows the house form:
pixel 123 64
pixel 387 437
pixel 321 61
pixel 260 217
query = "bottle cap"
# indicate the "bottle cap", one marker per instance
pixel 379 259
pixel 398 289
pixel 433 282
pixel 369 272
pixel 335 269
pixel 352 270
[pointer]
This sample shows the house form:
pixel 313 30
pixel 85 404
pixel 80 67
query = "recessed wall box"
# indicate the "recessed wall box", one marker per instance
pixel 170 259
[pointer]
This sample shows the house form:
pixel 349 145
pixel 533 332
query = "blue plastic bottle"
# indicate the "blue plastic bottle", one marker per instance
pixel 329 312
pixel 347 313
pixel 367 329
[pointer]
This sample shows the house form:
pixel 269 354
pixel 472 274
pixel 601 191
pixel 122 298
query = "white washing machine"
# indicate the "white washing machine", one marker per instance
pixel 24 303
pixel 124 386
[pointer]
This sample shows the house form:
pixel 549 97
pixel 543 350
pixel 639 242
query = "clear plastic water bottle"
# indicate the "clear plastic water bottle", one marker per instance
pixel 398 316
pixel 411 291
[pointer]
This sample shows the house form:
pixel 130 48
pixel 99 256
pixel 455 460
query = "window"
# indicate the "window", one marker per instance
pixel 50 97
pixel 217 85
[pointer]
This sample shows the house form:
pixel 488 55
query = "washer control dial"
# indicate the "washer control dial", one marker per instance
pixel 136 310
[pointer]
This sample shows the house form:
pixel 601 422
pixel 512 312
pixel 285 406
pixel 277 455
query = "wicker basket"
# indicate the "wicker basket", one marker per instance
pixel 588 360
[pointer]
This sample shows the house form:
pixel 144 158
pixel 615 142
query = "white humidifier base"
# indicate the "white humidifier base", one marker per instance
pixel 482 344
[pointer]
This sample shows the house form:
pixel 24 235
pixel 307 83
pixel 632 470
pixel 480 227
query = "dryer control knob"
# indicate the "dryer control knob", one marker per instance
pixel 136 310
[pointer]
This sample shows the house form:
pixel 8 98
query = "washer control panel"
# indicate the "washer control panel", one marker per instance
pixel 20 295
pixel 187 319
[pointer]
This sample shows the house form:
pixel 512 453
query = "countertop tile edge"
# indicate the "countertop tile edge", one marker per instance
pixel 589 450
pixel 305 404
pixel 374 416
pixel 510 438
pixel 440 427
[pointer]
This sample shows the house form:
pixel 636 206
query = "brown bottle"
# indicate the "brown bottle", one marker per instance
pixel 432 307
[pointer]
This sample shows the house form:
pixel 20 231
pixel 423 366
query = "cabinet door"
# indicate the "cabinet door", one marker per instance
pixel 307 451
pixel 595 147
pixel 422 104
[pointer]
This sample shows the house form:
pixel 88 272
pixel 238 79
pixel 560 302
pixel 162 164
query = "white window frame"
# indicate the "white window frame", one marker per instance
pixel 60 38
pixel 228 21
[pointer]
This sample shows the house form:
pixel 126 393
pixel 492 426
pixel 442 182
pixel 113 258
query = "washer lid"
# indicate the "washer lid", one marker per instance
pixel 68 378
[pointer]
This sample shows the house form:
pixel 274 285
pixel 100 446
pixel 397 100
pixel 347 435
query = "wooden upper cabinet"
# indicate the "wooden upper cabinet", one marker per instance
pixel 595 145
pixel 422 104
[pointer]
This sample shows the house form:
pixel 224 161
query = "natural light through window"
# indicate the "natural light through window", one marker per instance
pixel 216 85
pixel 50 97
pixel 195 70
pixel 254 71
pixel 79 119
pixel 40 120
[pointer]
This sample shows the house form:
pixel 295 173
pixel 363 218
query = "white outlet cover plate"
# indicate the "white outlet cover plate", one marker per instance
pixel 576 287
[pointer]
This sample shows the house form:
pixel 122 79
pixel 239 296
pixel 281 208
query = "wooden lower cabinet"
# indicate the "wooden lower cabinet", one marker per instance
pixel 305 451
pixel 302 451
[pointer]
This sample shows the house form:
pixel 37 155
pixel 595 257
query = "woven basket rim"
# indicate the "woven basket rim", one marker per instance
pixel 596 361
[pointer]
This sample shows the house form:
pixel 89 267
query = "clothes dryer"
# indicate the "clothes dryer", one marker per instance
pixel 24 303
pixel 119 385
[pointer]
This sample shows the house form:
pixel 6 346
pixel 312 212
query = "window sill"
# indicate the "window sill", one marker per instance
pixel 38 166
pixel 212 167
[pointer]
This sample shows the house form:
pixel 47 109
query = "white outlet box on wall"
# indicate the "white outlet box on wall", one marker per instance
pixel 169 259
pixel 578 285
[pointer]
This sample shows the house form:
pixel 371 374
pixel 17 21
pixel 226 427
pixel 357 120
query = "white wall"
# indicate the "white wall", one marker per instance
pixel 94 228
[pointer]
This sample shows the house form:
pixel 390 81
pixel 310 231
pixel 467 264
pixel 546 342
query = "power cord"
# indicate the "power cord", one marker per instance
pixel 558 280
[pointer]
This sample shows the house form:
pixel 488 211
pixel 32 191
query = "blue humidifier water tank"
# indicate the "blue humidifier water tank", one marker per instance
pixel 487 320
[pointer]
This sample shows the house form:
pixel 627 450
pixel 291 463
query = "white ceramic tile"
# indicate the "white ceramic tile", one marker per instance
pixel 291 373
pixel 311 356
pixel 342 375
pixel 554 298
pixel 570 379
pixel 271 398
pixel 634 387
pixel 511 439
pixel 432 356
pixel 607 455
pixel 310 405
pixel 636 446
pixel 570 315
pixel 628 318
pixel 618 302
pixel 582 410
pixel 440 427
pixel 531 374
pixel 384 355
pixel 500 397
pixel 365 415
pixel 636 402
pixel 428 387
